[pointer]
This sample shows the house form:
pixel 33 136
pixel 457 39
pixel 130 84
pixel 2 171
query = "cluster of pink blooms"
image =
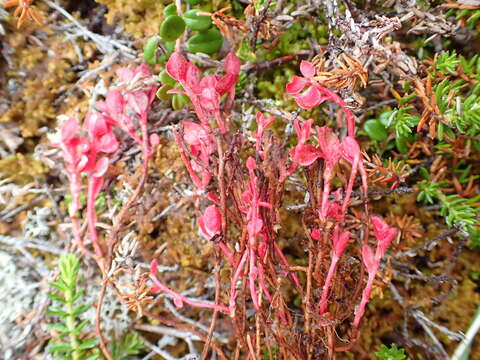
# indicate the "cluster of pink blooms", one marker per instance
pixel 332 150
pixel 197 144
pixel 90 153
pixel 212 96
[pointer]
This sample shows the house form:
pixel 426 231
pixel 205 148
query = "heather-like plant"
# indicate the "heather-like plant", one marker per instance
pixel 71 344
pixel 256 186
pixel 89 152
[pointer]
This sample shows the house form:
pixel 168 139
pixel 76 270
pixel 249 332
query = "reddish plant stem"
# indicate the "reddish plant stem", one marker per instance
pixel 223 205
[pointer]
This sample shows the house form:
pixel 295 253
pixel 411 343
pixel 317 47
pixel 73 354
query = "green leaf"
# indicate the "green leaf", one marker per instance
pixel 56 297
pixel 170 10
pixel 207 42
pixel 56 311
pixel 375 130
pixel 172 28
pixel 162 92
pixel 80 309
pixel 59 285
pixel 64 347
pixel 80 326
pixel 447 62
pixel 88 344
pixel 150 50
pixel 402 142
pixel 197 22
pixel 58 327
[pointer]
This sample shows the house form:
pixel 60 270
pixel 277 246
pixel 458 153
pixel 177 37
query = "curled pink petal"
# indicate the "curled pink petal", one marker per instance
pixel 101 167
pixel 96 124
pixel 368 258
pixel 296 85
pixel 108 143
pixel 211 221
pixel 305 155
pixel 310 98
pixel 193 77
pixel 384 234
pixel 115 103
pixel 154 140
pixel 69 129
pixel 307 69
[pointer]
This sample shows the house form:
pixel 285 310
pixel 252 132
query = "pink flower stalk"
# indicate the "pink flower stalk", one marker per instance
pixel 73 150
pixel 315 94
pixel 201 145
pixel 81 154
pixel 178 299
pixel 340 242
pixel 205 93
pixel 384 235
pixel 75 160
pixel 102 140
pixel 95 183
pixel 254 227
pixel 262 124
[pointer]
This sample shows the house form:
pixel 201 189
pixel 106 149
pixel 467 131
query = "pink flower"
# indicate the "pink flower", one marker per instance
pixel 384 234
pixel 303 154
pixel 315 94
pixel 211 222
pixel 128 75
pixel 205 93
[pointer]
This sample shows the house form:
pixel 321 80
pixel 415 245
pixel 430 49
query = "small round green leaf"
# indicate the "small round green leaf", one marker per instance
pixel 375 130
pixel 150 50
pixel 172 28
pixel 170 10
pixel 197 22
pixel 207 42
pixel 402 143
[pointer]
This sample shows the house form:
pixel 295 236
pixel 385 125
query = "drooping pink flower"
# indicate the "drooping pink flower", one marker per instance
pixel 303 154
pixel 384 235
pixel 211 222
